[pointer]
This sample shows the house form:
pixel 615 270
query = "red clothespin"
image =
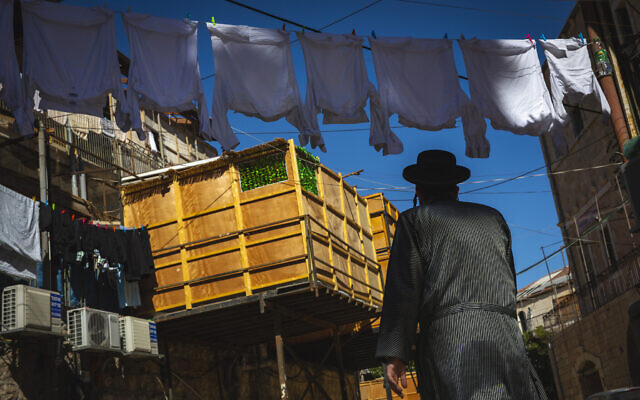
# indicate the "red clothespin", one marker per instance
pixel 73 217
pixel 529 37
pixel 63 211
pixel 114 228
pixel 283 27
pixel 353 32
pixel 84 220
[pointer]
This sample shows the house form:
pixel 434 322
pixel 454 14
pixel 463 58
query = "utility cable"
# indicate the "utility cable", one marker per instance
pixel 581 237
pixel 503 12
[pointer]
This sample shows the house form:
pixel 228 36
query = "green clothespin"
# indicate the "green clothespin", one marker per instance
pixel 53 206
pixel 213 21
pixel 188 16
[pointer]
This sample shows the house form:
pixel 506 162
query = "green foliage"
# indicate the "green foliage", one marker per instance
pixel 307 170
pixel 262 171
pixel 537 345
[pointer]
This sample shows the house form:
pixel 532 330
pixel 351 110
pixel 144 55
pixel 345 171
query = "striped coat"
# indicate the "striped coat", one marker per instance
pixel 451 270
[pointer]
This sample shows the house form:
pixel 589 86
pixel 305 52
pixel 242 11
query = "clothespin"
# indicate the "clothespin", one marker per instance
pixel 213 21
pixel 53 206
pixel 46 202
pixel 529 37
pixel 114 228
pixel 581 37
pixel 284 27
pixel 84 220
pixel 302 31
pixel 73 217
pixel 446 36
pixel 188 16
pixel 373 34
pixel 33 198
pixel 353 32
pixel 543 37
pixel 63 211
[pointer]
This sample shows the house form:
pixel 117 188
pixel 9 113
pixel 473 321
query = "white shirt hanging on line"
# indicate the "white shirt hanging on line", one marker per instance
pixel 338 87
pixel 70 58
pixel 164 74
pixel 506 84
pixel 11 85
pixel 417 80
pixel 254 76
pixel 571 77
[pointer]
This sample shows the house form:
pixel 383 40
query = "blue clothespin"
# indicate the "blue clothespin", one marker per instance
pixel 373 34
pixel 46 203
pixel 446 36
pixel 581 37
pixel 543 37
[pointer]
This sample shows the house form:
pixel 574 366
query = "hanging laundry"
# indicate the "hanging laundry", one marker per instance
pixel 571 77
pixel 254 76
pixel 506 85
pixel 19 234
pixel 11 86
pixel 338 87
pixel 70 58
pixel 164 74
pixel 417 80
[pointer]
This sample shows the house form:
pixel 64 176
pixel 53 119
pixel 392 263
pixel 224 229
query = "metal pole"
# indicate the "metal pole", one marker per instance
pixel 604 75
pixel 555 290
pixel 343 386
pixel 161 139
pixel 44 198
pixel 282 376
pixel 72 159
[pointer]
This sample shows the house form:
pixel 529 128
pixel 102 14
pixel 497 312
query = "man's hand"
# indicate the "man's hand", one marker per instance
pixel 395 371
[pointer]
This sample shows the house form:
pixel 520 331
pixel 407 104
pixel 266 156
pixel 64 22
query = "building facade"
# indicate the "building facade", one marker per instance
pixel 595 353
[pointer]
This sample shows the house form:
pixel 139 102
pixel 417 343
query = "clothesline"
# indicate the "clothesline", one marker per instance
pixel 256 78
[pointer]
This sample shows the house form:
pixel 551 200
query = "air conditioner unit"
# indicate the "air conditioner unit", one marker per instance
pixel 91 329
pixel 138 336
pixel 30 310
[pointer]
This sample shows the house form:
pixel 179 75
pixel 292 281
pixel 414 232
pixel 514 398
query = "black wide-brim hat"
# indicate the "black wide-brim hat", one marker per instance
pixel 436 168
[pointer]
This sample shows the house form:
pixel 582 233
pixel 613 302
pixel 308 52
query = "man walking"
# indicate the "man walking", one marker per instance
pixel 451 270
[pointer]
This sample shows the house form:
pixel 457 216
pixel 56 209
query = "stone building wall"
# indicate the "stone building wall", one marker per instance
pixel 592 354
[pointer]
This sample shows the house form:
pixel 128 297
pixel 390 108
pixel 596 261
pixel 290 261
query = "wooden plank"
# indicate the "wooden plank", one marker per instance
pixel 182 237
pixel 321 192
pixel 342 208
pixel 235 177
pixel 293 160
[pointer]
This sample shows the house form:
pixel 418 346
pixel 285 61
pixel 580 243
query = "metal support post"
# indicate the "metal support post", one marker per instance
pixel 282 376
pixel 44 198
pixel 589 283
pixel 72 159
pixel 343 385
pixel 167 370
pixel 161 139
pixel 555 290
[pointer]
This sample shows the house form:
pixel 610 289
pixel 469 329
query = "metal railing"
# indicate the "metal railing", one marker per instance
pixel 99 149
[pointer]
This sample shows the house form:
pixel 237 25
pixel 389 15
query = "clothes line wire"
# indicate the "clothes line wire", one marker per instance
pixel 581 237
pixel 503 12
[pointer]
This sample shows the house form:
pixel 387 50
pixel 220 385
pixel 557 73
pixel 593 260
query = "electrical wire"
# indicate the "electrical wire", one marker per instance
pixel 581 237
pixel 503 12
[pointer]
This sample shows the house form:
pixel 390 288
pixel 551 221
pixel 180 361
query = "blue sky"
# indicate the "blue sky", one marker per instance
pixel 349 151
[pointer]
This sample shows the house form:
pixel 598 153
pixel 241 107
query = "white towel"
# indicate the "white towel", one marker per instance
pixel 11 85
pixel 254 76
pixel 70 57
pixel 506 85
pixel 164 74
pixel 417 80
